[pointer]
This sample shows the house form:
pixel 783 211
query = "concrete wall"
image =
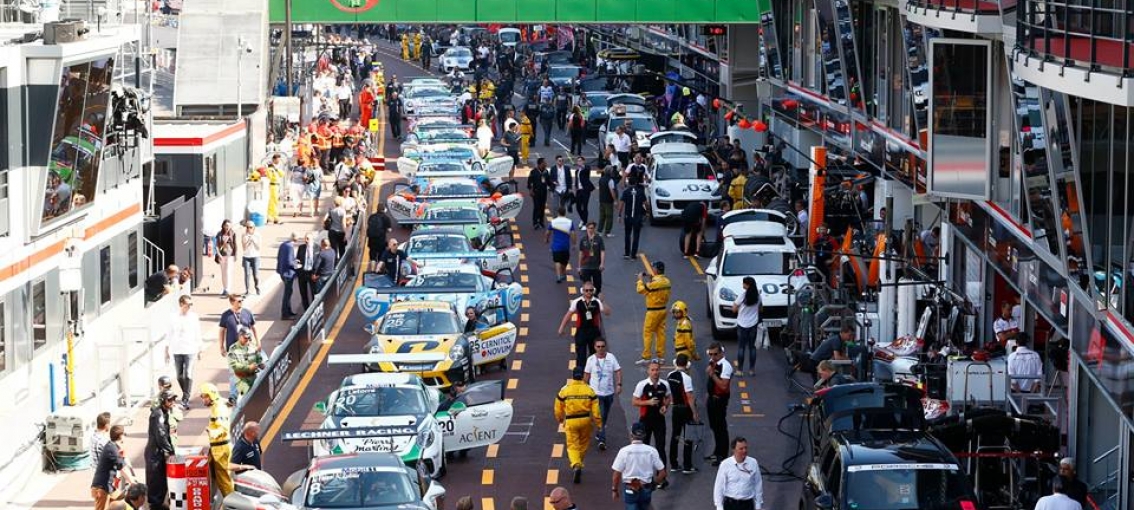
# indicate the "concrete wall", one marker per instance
pixel 209 65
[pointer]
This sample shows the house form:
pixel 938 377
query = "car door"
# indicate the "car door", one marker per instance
pixel 485 420
pixel 407 167
pixel 500 167
pixel 508 206
pixel 400 208
pixel 493 344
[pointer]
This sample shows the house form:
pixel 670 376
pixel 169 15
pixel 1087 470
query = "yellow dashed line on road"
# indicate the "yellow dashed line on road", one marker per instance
pixel 553 477
pixel 547 503
pixel 570 278
pixel 520 245
pixel 513 384
pixel 742 384
pixel 572 348
pixel 520 348
pixel 527 290
pixel 523 278
pixel 524 331
pixel 487 504
pixel 557 451
pixel 560 428
pixel 524 317
pixel 744 395
pixel 523 266
pixel 526 304
pixel 486 477
pixel 571 365
pixel 746 409
pixel 516 364
pixel 493 449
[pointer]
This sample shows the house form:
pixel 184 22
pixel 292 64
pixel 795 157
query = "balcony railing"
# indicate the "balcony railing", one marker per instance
pixel 1093 34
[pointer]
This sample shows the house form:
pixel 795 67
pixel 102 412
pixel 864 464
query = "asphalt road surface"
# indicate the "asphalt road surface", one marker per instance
pixel 531 459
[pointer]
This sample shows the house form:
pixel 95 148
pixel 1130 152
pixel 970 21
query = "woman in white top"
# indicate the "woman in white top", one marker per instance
pixel 250 242
pixel 747 309
pixel 483 138
pixel 343 94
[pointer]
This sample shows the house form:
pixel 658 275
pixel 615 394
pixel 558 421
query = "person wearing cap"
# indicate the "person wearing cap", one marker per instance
pixel 245 361
pixel 165 384
pixel 656 289
pixel 159 448
pixel 220 448
pixel 684 413
pixel 683 341
pixel 1072 486
pixel 577 409
pixel 637 467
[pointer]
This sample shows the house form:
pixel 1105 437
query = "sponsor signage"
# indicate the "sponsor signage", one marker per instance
pixel 348 433
pixel 518 11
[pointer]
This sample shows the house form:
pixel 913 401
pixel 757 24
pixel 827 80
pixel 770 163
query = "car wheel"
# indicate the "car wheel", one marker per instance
pixel 504 365
pixel 366 368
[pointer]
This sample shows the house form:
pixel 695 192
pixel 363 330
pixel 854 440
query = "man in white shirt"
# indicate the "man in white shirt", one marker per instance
pixel 251 262
pixel 1005 327
pixel 621 143
pixel 561 176
pixel 1026 364
pixel 1057 500
pixel 184 345
pixel 739 485
pixel 637 467
pixel 604 374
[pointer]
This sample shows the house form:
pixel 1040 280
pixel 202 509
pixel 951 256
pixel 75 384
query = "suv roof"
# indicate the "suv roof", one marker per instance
pixel 885 447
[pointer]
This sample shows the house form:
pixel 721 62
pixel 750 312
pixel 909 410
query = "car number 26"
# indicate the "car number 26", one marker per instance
pixel 774 288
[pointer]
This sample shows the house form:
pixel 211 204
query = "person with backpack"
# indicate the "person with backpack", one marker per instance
pixel 575 127
pixel 684 413
pixel 562 107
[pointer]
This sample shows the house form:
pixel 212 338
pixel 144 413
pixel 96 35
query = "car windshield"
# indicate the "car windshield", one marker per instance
pixel 750 263
pixel 418 322
pixel 454 188
pixel 456 214
pixel 667 171
pixel 440 167
pixel 442 134
pixel 448 279
pixel 378 401
pixel 452 152
pixel 509 37
pixel 643 125
pixel 424 92
pixel 360 488
pixel 439 244
pixel 597 99
pixel 939 487
pixel 458 52
pixel 563 72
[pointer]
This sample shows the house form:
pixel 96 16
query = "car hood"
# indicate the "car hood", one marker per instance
pixel 736 284
pixel 691 188
pixel 392 344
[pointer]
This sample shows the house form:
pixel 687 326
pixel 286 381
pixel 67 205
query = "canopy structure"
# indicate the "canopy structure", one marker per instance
pixel 516 11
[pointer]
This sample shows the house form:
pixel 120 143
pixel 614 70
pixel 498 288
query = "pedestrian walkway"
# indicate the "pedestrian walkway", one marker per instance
pixel 72 490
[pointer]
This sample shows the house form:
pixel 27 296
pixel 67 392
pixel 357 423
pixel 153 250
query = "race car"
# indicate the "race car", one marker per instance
pixel 425 120
pixel 496 300
pixel 762 250
pixel 446 246
pixel 399 414
pixel 496 166
pixel 435 132
pixel 477 216
pixel 435 330
pixel 457 58
pixel 486 191
pixel 419 96
pixel 679 176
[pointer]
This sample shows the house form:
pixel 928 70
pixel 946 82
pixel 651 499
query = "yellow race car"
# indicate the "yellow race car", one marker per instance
pixel 428 338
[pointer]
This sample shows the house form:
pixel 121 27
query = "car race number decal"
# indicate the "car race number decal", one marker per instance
pixel 774 288
pixel 418 347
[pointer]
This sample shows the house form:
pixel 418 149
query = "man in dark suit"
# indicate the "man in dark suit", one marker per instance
pixel 324 265
pixel 305 262
pixel 538 184
pixel 561 184
pixel 583 189
pixel 285 267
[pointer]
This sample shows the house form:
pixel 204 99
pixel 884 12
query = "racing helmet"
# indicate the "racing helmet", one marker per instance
pixel 679 306
pixel 659 266
pixel 164 382
pixel 210 390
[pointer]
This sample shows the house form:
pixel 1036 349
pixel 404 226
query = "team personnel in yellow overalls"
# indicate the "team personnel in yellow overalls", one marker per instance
pixel 683 342
pixel 417 46
pixel 657 298
pixel 275 182
pixel 525 136
pixel 736 190
pixel 220 448
pixel 577 409
pixel 405 47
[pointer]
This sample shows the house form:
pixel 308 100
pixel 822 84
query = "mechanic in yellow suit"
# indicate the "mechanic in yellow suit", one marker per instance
pixel 405 47
pixel 526 132
pixel 220 448
pixel 417 46
pixel 577 409
pixel 683 341
pixel 736 190
pixel 656 291
pixel 487 90
pixel 276 182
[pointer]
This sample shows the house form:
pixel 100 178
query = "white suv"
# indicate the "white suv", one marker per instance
pixel 762 250
pixel 679 176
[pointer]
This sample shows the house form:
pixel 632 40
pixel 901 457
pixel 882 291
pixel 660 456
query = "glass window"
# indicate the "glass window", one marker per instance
pixel 39 315
pixel 132 258
pixel 211 175
pixel 360 488
pixel 960 120
pixel 901 489
pixel 754 263
pixel 77 139
pixel 104 274
pixel 378 401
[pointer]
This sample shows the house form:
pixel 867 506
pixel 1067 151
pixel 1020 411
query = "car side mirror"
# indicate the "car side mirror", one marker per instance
pixel 824 501
pixel 711 270
pixel 320 407
pixel 369 328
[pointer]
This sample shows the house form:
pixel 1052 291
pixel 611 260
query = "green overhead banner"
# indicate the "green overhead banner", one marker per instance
pixel 516 11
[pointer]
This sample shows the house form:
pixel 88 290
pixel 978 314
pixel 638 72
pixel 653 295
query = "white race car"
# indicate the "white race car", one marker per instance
pixel 495 166
pixel 419 96
pixel 456 58
pixel 762 250
pixel 398 413
pixel 679 176
pixel 448 246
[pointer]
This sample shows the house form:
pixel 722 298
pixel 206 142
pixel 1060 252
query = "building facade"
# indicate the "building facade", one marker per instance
pixel 1011 123
pixel 72 251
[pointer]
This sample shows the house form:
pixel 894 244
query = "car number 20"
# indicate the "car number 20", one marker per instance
pixel 774 288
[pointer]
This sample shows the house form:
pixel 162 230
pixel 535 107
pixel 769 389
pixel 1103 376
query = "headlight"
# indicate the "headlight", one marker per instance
pixel 727 294
pixel 425 438
pixel 457 352
pixel 662 192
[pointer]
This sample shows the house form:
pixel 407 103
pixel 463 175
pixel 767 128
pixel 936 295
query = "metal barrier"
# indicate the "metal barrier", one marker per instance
pixel 297 350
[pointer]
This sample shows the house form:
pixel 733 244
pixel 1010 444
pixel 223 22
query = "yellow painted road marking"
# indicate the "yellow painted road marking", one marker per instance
pixel 487 503
pixel 520 348
pixel 570 278
pixel 696 265
pixel 547 503
pixel 333 333
pixel 524 317
pixel 557 451
pixel 524 331
pixel 487 476
pixel 520 246
pixel 527 290
pixel 572 290
pixel 744 395
pixel 493 449
pixel 523 278
pixel 573 330
pixel 746 409
pixel 571 365
pixel 646 263
pixel 561 428
pixel 508 400
pixel 572 348
pixel 526 304
pixel 553 477
pixel 513 383
pixel 742 384
pixel 516 364
pixel 523 266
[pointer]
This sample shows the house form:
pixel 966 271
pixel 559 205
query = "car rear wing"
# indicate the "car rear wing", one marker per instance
pixel 456 255
pixel 349 433
pixel 400 357
pixel 425 290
